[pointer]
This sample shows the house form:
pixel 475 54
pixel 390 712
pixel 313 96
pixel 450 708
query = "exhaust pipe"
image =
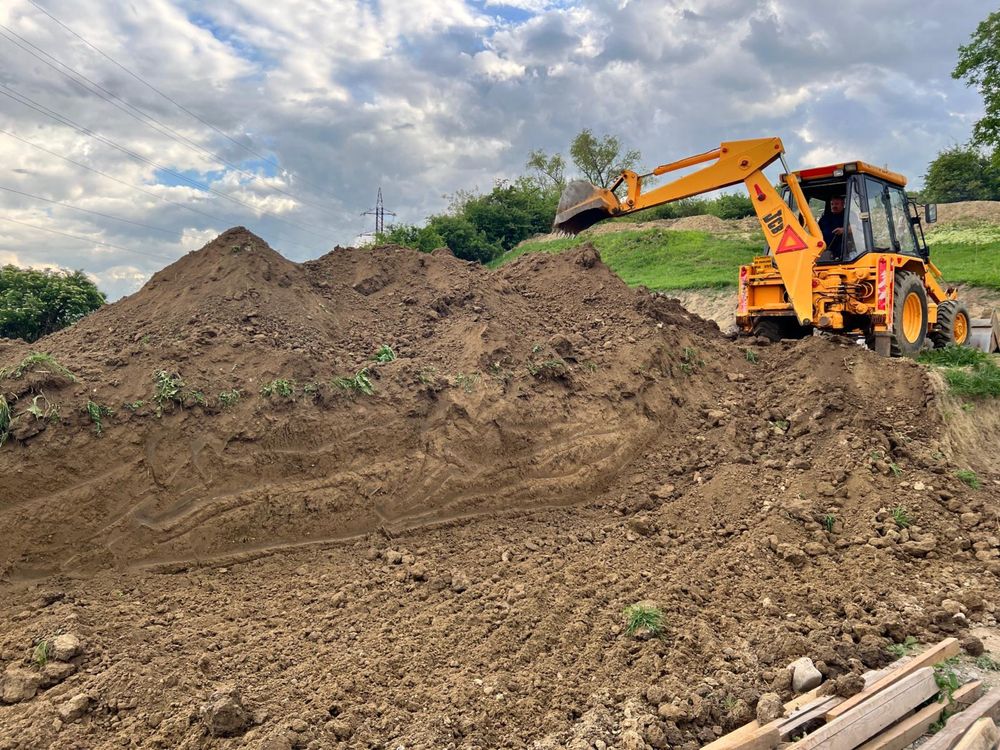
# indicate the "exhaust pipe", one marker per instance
pixel 582 205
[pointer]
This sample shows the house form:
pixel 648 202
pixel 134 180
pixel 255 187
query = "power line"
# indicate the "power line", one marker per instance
pixel 86 239
pixel 62 119
pixel 171 232
pixel 144 117
pixel 221 221
pixel 173 101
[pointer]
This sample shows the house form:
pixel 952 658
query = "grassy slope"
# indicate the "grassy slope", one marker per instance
pixel 667 259
pixel 662 258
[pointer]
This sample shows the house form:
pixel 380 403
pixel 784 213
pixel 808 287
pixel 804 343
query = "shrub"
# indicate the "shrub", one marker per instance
pixel 36 303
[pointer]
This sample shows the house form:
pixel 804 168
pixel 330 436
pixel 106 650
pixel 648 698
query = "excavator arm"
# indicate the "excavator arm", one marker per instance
pixel 794 246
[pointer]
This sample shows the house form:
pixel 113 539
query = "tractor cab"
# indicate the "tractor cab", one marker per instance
pixel 877 215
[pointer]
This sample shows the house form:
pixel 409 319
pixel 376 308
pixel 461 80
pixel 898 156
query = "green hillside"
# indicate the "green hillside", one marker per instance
pixel 671 259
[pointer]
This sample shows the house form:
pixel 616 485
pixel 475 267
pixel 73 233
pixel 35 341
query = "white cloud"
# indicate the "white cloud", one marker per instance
pixel 490 64
pixel 430 97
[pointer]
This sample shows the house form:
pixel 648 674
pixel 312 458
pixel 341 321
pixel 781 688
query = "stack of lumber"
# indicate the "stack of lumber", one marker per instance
pixel 897 706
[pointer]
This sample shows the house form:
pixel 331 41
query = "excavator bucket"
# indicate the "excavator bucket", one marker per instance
pixel 984 333
pixel 582 205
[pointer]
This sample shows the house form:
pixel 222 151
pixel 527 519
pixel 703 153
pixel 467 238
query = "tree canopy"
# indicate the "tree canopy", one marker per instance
pixel 961 173
pixel 979 65
pixel 600 160
pixel 34 303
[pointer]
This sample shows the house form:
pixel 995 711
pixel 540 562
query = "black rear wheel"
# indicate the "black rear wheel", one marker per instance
pixel 953 325
pixel 777 328
pixel 909 315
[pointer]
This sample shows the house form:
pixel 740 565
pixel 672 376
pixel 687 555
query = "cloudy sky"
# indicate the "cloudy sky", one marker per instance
pixel 287 116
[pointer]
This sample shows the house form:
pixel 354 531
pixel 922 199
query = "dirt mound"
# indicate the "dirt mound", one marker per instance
pixel 987 212
pixel 527 387
pixel 461 524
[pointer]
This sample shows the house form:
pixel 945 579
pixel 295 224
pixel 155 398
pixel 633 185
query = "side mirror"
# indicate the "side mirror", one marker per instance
pixel 930 213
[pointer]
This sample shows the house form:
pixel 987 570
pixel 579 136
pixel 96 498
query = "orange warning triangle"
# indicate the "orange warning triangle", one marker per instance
pixel 790 241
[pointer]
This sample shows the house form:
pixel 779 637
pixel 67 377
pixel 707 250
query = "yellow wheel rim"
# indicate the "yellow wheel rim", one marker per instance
pixel 961 328
pixel 913 317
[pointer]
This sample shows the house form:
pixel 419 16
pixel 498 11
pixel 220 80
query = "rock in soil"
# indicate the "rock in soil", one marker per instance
pixel 74 708
pixel 805 676
pixel 19 684
pixel 223 714
pixel 769 708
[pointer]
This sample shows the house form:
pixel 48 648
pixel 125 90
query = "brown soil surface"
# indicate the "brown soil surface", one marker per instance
pixel 444 562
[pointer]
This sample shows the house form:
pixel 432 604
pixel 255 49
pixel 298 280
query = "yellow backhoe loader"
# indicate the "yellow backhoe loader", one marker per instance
pixel 871 275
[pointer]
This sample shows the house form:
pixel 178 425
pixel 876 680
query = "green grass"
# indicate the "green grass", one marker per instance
pixel 899 650
pixel 967 253
pixel 228 399
pixel 969 477
pixel 384 354
pixel 902 517
pixel 643 617
pixel 278 387
pixel 96 412
pixel 4 419
pixel 661 258
pixel 674 259
pixel 37 361
pixel 40 654
pixel 169 389
pixel 968 372
pixel 360 383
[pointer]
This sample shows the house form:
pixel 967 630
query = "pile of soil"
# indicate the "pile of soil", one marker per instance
pixel 435 551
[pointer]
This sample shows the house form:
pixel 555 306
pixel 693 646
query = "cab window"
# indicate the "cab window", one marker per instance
pixel 906 241
pixel 878 213
pixel 855 244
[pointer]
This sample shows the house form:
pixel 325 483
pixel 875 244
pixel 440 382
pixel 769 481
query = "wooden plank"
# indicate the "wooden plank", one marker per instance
pixel 752 734
pixel 798 721
pixel 904 732
pixel 959 724
pixel 873 715
pixel 943 650
pixel 982 736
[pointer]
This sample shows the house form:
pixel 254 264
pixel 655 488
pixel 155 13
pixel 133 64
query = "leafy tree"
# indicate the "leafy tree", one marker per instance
pixel 512 211
pixel 463 238
pixel 731 206
pixel 961 174
pixel 550 171
pixel 36 303
pixel 979 65
pixel 601 159
pixel 424 239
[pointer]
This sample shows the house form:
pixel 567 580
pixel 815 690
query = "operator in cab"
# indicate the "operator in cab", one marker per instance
pixel 831 224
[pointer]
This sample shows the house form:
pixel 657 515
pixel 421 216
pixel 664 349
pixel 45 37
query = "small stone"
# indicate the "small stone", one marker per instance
pixel 791 553
pixel 393 557
pixel 19 685
pixel 65 647
pixel 298 725
pixel 74 708
pixel 970 520
pixel 813 549
pixel 919 486
pixel 973 646
pixel 665 491
pixel 641 525
pixel 769 708
pixel 459 582
pixel 223 714
pixel 340 729
pixel 805 676
pixel 670 712
pixel 951 606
